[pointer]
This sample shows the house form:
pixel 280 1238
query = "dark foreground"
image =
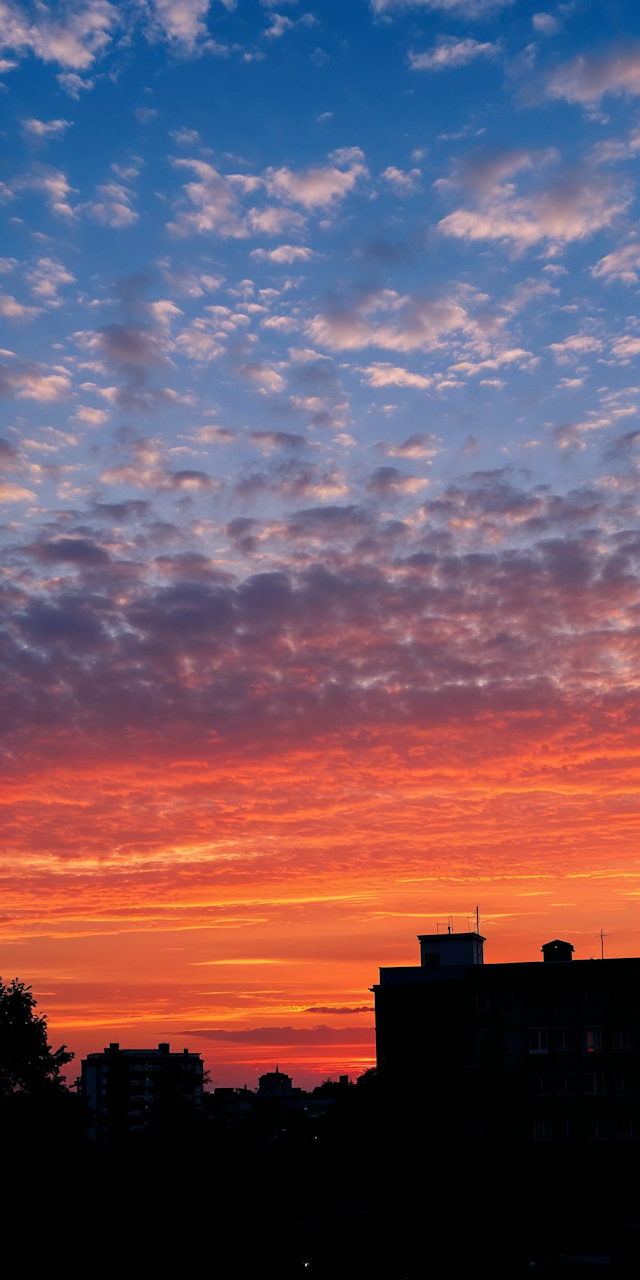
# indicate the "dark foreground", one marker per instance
pixel 366 1190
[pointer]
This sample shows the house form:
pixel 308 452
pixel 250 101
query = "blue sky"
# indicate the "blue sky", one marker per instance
pixel 349 226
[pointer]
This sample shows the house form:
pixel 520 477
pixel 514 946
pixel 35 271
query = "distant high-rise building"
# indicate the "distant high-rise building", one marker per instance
pixel 125 1087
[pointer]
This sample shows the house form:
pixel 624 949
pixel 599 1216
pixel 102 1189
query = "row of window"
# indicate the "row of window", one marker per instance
pixel 541 1039
pixel 515 999
pixel 592 1082
pixel 596 1129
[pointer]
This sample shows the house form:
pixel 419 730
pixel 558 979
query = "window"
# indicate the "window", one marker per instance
pixel 592 1040
pixel 564 1040
pixel 482 1001
pixel 562 1127
pixel 567 1084
pixel 597 1129
pixel 620 1084
pixel 594 1082
pixel 543 1084
pixel 626 1127
pixel 539 1041
pixel 513 1042
pixel 542 1131
pixel 620 1040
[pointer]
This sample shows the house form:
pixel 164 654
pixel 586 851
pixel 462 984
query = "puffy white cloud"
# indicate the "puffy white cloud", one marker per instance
pixel 405 183
pixel 279 24
pixel 214 435
pixel 450 53
pixel 46 278
pixel 11 309
pixel 188 282
pixel 281 324
pixel 262 375
pixel 48 182
pixel 385 319
pixel 389 375
pixel 92 417
pixel 285 253
pixel 320 187
pixel 44 129
pixel 512 355
pixel 201 341
pixel 623 264
pixel 388 482
pixel 274 221
pixel 212 204
pixel 74 85
pixel 417 446
pixel 28 384
pixel 73 39
pixel 163 312
pixel 526 292
pixel 185 137
pixel 182 20
pixel 574 347
pixel 626 348
pixel 587 79
pixel 545 24
pixel 459 8
pixel 148 470
pixel 573 207
pixel 15 493
pixel 113 206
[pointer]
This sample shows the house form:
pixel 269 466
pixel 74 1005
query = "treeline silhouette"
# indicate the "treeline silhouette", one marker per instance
pixel 383 1184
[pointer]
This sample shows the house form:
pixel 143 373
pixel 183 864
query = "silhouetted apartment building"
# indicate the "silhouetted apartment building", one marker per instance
pixel 526 1053
pixel 125 1087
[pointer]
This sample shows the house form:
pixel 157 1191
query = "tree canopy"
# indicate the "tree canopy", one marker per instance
pixel 28 1064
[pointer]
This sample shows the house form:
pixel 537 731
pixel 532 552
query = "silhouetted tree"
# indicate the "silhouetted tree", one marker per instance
pixel 28 1064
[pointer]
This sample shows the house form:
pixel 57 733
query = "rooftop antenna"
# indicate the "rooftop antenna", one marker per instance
pixel 477 920
pixel 602 937
pixel 450 924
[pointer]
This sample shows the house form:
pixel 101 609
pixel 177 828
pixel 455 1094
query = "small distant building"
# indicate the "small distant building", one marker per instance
pixel 125 1087
pixel 276 1084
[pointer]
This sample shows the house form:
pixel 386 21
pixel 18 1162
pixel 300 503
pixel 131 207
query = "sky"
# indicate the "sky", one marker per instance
pixel 319 502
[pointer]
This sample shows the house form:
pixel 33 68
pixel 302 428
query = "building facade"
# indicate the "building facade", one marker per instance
pixel 525 1053
pixel 126 1087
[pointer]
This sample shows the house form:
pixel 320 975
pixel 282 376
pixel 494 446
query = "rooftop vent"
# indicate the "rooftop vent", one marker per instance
pixel 557 952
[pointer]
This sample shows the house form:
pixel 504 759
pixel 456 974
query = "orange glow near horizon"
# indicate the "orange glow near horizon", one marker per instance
pixel 241 903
